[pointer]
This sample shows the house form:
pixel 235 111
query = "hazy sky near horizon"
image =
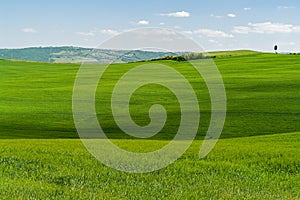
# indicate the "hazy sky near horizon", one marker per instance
pixel 214 24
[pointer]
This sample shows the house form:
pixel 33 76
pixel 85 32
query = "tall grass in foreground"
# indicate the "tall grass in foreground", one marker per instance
pixel 262 167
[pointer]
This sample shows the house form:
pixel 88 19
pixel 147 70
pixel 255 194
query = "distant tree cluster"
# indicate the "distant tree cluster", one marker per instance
pixel 196 56
pixel 175 58
pixel 185 57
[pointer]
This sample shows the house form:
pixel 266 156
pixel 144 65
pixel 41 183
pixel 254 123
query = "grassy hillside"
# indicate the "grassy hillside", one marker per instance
pixel 219 54
pixel 40 159
pixel 262 90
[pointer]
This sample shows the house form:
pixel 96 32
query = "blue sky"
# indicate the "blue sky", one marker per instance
pixel 214 24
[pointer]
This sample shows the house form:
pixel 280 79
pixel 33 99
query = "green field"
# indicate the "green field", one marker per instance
pixel 257 156
pixel 262 167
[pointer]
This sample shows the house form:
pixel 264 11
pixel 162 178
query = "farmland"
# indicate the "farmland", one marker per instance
pixel 261 167
pixel 256 158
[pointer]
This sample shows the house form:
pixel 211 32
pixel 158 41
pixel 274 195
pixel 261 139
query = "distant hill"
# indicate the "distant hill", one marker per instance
pixel 78 54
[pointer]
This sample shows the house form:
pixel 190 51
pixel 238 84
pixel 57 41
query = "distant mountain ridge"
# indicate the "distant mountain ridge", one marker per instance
pixel 69 54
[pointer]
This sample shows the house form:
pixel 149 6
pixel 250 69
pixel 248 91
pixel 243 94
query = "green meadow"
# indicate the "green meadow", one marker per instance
pixel 257 157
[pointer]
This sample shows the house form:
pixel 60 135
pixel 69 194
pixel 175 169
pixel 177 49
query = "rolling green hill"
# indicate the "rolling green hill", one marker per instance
pixel 257 156
pixel 262 94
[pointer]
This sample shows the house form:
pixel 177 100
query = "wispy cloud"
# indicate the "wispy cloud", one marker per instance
pixel 176 14
pixel 210 33
pixel 267 28
pixel 231 15
pixel 247 9
pixel 29 30
pixel 213 41
pixel 89 33
pixel 109 32
pixel 217 16
pixel 285 7
pixel 143 22
pixel 94 32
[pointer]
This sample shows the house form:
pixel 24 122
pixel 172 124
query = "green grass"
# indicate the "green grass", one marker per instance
pixel 262 92
pixel 257 157
pixel 261 167
pixel 221 54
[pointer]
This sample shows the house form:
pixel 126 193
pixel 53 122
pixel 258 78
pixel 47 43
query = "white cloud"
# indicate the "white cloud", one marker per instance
pixel 241 29
pixel 108 32
pixel 156 32
pixel 90 33
pixel 285 7
pixel 247 9
pixel 216 16
pixel 162 23
pixel 143 22
pixel 266 28
pixel 29 30
pixel 176 14
pixel 94 32
pixel 288 44
pixel 212 33
pixel 187 32
pixel 213 41
pixel 231 15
